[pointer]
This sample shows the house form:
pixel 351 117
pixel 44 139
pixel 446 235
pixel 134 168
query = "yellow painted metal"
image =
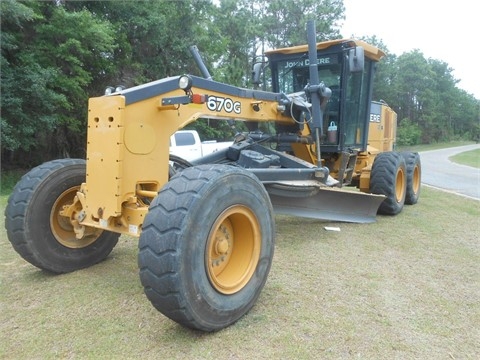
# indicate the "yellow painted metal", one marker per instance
pixel 128 146
pixel 305 152
pixel 363 167
pixel 382 133
pixel 416 179
pixel 371 51
pixel 400 185
pixel 105 157
pixel 128 150
pixel 233 249
pixel 381 138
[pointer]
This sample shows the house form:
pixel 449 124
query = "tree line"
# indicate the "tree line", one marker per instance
pixel 56 54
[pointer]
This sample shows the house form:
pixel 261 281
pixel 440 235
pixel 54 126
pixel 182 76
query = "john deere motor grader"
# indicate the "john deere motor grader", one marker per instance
pixel 206 229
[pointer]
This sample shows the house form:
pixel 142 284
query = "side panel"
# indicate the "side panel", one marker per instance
pixel 382 128
pixel 105 152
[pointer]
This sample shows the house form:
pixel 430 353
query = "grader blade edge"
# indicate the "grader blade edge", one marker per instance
pixel 330 204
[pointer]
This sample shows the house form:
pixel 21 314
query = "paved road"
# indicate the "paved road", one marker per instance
pixel 440 172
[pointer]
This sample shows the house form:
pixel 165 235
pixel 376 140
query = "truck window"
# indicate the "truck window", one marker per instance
pixel 184 139
pixel 294 75
pixel 357 105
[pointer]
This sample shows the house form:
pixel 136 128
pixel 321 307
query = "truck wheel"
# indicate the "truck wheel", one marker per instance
pixel 414 176
pixel 388 177
pixel 206 246
pixel 37 231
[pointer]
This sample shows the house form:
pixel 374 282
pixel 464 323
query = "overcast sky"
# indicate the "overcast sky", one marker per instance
pixel 442 30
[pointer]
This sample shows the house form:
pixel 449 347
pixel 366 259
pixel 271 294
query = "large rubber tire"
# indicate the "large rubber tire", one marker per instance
pixel 36 230
pixel 176 165
pixel 207 245
pixel 414 176
pixel 388 177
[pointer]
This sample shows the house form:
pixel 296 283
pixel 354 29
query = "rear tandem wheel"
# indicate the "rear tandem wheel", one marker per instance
pixel 36 229
pixel 389 177
pixel 414 177
pixel 207 245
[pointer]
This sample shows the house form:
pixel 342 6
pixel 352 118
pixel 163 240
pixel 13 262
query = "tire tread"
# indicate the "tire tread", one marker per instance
pixel 383 181
pixel 412 160
pixel 161 283
pixel 18 207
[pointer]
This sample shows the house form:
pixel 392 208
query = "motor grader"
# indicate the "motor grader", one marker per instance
pixel 206 229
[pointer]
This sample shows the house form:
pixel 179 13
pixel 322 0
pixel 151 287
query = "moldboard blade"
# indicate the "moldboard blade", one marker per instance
pixel 330 204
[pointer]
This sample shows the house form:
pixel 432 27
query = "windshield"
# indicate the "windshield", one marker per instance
pixel 293 75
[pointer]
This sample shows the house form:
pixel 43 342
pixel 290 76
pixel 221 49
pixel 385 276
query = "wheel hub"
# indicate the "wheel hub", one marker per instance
pixel 64 222
pixel 233 249
pixel 222 246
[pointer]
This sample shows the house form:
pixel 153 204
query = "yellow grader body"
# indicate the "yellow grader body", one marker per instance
pixel 127 152
pixel 206 228
pixel 126 146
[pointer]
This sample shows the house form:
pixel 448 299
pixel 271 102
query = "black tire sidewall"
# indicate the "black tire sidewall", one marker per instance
pixel 383 181
pixel 181 163
pixel 49 254
pixel 412 161
pixel 222 200
pixel 209 309
pixel 228 192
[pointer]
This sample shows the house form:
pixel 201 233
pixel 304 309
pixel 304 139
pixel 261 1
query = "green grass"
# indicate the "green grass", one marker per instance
pixel 469 158
pixel 404 287
pixel 8 179
pixel 435 146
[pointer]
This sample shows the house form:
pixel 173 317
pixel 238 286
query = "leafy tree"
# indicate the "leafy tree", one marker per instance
pixel 57 53
pixel 249 27
pixel 425 92
pixel 285 20
pixel 49 63
pixel 408 133
pixel 81 52
pixel 385 73
pixel 240 29
pixel 154 36
pixel 425 95
pixel 23 81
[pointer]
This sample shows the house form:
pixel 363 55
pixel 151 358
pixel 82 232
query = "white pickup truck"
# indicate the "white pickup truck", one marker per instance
pixel 187 145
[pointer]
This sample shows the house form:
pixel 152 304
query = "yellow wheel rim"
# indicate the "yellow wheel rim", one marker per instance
pixel 400 185
pixel 62 227
pixel 233 249
pixel 416 180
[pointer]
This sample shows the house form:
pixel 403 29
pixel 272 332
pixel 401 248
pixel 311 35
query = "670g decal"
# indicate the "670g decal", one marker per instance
pixel 218 103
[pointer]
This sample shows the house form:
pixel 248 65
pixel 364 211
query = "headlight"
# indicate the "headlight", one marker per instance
pixel 109 90
pixel 185 82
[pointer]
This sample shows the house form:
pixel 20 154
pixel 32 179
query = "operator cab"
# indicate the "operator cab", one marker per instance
pixel 348 109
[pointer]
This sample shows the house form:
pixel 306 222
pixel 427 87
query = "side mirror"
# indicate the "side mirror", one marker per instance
pixel 356 59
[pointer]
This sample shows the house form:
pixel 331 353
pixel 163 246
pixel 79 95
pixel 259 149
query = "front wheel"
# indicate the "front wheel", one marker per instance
pixel 207 246
pixel 36 229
